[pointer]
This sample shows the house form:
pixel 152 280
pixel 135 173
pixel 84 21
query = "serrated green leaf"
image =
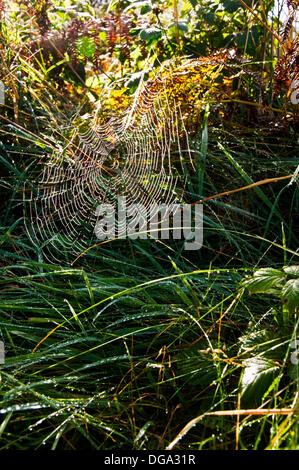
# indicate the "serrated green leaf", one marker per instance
pixel 271 344
pixel 290 295
pixel 266 280
pixel 292 270
pixel 256 378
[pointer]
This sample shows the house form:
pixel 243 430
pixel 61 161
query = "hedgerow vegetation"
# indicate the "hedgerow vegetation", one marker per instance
pixel 140 344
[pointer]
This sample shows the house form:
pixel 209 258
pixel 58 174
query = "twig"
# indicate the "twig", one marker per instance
pixel 243 188
pixel 262 22
pixel 249 412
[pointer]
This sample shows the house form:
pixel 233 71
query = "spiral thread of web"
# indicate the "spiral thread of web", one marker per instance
pixel 128 157
pixel 139 156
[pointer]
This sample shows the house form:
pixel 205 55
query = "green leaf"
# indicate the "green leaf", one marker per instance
pixel 139 4
pixel 256 378
pixel 86 46
pixel 133 81
pixel 135 31
pixel 269 344
pixel 290 295
pixel 231 5
pixel 103 35
pixel 292 270
pixel 265 280
pixel 150 33
pixel 181 26
pixel 210 18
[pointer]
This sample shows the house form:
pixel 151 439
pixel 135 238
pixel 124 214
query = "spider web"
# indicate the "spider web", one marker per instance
pixel 141 155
